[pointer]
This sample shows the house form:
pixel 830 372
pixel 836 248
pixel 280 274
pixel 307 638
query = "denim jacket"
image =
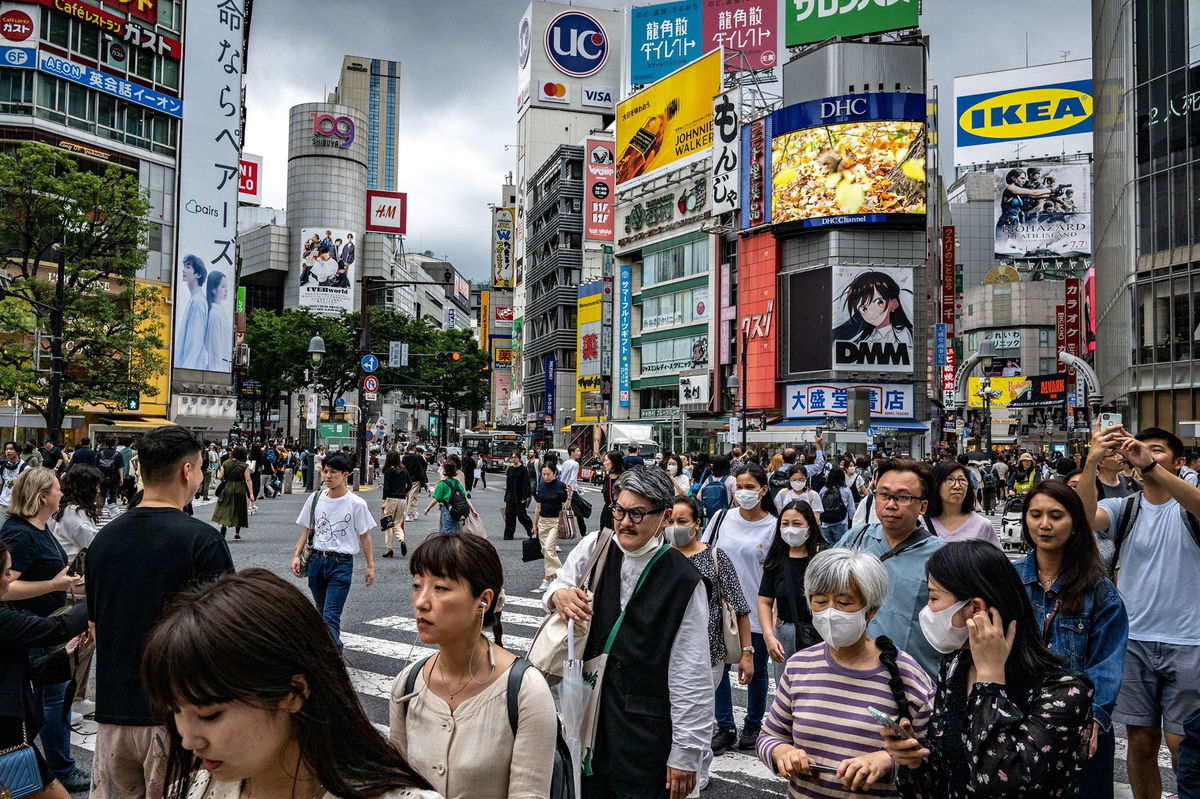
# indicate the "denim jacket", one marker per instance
pixel 1093 640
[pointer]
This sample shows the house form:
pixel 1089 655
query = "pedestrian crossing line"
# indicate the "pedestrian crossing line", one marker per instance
pixel 397 650
pixel 407 625
pixel 523 602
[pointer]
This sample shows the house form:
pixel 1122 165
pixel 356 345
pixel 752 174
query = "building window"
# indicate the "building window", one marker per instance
pixel 1045 338
pixel 1046 366
pixel 675 263
pixel 16 88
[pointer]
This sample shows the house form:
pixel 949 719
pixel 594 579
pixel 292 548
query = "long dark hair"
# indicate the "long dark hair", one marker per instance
pixel 1082 570
pixel 242 638
pixel 393 461
pixel 759 474
pixel 836 478
pixel 777 555
pixel 862 289
pixel 887 656
pixel 969 569
pixel 81 487
pixel 941 473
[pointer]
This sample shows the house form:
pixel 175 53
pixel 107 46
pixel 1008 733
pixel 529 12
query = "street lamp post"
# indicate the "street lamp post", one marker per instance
pixel 732 385
pixel 987 354
pixel 316 351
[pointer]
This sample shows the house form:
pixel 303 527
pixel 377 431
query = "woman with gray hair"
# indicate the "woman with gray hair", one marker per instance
pixel 819 734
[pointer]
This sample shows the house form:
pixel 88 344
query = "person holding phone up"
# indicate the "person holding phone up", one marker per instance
pixel 1009 718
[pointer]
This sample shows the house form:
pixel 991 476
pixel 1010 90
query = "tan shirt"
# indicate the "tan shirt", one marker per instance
pixel 471 753
pixel 205 787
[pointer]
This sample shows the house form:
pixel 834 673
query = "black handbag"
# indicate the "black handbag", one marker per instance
pixel 581 506
pixel 531 549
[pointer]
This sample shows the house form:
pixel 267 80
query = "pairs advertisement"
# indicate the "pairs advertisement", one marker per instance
pixel 327 270
pixel 1043 211
pixel 872 319
pixel 205 270
pixel 848 159
pixel 669 122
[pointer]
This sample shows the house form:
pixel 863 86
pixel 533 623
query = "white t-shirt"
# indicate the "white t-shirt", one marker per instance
pixel 787 495
pixel 8 473
pixel 1158 557
pixel 339 522
pixel 74 531
pixel 746 544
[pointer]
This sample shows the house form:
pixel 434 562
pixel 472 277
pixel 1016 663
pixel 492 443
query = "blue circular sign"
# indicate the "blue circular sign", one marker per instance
pixel 576 44
pixel 340 403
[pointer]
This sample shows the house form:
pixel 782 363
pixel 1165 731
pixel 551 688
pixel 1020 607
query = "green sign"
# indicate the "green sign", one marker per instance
pixel 240 307
pixel 335 430
pixel 811 21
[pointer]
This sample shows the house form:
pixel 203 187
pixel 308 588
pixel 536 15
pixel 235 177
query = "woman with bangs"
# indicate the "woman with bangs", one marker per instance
pixel 257 701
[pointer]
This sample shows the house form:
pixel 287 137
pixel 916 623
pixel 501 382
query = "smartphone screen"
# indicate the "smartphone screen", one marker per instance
pixel 889 722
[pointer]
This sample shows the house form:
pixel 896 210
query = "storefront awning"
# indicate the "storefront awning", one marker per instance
pixel 131 424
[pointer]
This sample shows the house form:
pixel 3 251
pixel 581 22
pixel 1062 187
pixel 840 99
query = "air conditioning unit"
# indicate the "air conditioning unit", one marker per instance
pixel 1189 429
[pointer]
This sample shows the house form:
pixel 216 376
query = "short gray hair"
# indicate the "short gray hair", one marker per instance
pixel 834 570
pixel 652 483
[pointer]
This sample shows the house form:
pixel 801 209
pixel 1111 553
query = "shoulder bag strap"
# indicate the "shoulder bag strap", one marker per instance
pixel 599 556
pixel 918 535
pixel 312 515
pixel 712 538
pixel 1124 523
pixel 612 636
pixel 515 674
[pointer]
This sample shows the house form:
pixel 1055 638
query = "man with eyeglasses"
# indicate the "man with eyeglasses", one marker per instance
pixel 902 543
pixel 656 706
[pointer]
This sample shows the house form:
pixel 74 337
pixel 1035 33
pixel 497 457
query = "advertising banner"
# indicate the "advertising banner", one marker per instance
pixel 599 168
pixel 727 151
pixel 939 345
pixel 502 351
pixel 550 365
pixel 624 332
pixel 1021 114
pixel 872 319
pixel 387 212
pixel 126 31
pixel 503 220
pixel 695 391
pixel 1060 328
pixel 1073 314
pixel 948 375
pixel 19 34
pixel 148 9
pixel 669 122
pixel 663 38
pixel 749 27
pixel 327 270
pixel 119 87
pixel 1044 391
pixel 848 159
pixel 1089 311
pixel 818 400
pixel 207 202
pixel 758 275
pixel 590 365
pixel 756 176
pixel 948 293
pixel 808 21
pixel 485 318
pixel 1006 366
pixel 1009 387
pixel 1043 211
pixel 250 179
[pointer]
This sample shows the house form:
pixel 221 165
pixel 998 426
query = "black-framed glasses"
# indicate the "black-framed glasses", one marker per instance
pixel 883 497
pixel 636 515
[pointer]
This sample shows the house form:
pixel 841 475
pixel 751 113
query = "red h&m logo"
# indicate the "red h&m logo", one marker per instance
pixel 387 211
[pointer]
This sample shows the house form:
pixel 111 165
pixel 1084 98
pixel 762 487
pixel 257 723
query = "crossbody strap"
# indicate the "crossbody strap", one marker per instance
pixel 916 537
pixel 612 635
pixel 712 537
pixel 312 515
pixel 515 674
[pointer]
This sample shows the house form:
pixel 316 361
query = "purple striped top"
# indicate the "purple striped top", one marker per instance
pixel 821 707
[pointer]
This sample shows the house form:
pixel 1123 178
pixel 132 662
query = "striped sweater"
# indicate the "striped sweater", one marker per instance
pixel 821 707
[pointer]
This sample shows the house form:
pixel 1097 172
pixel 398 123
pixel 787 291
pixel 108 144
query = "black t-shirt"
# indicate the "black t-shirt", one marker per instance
pixel 38 556
pixel 551 496
pixel 136 564
pixel 415 465
pixel 786 584
pixel 51 457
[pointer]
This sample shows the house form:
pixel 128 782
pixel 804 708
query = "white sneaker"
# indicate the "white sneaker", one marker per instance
pixel 542 588
pixel 85 706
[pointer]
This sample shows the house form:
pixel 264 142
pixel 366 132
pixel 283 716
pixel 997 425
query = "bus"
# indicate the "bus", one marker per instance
pixel 494 447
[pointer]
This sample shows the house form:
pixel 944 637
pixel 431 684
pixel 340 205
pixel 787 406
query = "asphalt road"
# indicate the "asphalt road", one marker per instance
pixel 380 636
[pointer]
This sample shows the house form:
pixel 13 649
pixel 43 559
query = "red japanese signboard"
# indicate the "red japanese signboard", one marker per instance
pixel 1060 328
pixel 948 279
pixel 129 31
pixel 600 169
pixel 142 9
pixel 1073 315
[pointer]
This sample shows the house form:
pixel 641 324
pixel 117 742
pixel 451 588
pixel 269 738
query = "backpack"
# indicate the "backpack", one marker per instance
pixel 562 785
pixel 713 497
pixel 779 480
pixel 107 458
pixel 457 504
pixel 271 456
pixel 834 506
pixel 989 478
pixel 1131 506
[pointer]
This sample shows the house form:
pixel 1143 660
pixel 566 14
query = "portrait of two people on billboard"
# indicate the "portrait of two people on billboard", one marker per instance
pixel 327 260
pixel 872 318
pixel 204 329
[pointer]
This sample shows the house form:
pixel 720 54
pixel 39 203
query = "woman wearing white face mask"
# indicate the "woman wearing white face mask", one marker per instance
pixel 1007 709
pixel 782 610
pixel 745 532
pixel 812 724
pixel 674 468
pixel 798 490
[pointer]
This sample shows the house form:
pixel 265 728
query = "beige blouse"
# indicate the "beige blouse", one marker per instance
pixel 471 753
pixel 205 787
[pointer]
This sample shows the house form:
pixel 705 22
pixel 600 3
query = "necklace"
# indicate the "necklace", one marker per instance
pixel 1047 582
pixel 470 674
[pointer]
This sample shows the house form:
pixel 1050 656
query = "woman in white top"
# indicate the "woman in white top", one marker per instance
pixel 449 712
pixel 951 515
pixel 257 701
pixel 78 518
pixel 798 490
pixel 673 465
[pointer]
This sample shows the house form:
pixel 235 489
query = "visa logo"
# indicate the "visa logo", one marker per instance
pixel 1026 113
pixel 598 97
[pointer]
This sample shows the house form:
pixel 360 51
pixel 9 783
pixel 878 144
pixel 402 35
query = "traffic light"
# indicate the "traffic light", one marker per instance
pixel 446 276
pixel 133 401
pixel 447 355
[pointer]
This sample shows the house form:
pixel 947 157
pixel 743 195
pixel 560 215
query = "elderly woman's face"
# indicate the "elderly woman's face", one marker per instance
pixel 630 533
pixel 846 598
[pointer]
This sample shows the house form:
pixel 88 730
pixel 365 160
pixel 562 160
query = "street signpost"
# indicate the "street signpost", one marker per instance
pixel 339 403
pixel 397 354
pixel 369 363
pixel 370 383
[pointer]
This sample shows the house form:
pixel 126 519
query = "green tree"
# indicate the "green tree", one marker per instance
pixel 461 385
pixel 278 353
pixel 112 339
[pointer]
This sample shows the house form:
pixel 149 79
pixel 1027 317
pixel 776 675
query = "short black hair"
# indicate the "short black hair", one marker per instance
pixel 1166 436
pixel 339 463
pixel 162 450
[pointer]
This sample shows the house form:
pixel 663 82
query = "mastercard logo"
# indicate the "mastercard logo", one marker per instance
pixel 554 90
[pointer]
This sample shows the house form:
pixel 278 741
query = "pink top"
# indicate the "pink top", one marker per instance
pixel 977 527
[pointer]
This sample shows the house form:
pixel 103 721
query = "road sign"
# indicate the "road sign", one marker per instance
pixel 370 396
pixel 870 432
pixel 369 363
pixel 397 354
pixel 340 403
pixel 370 383
pixel 369 436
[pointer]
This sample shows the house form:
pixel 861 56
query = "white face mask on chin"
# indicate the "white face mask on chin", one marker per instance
pixel 652 544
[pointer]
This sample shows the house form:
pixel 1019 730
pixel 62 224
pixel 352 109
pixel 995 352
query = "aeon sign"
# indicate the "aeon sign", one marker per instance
pixel 331 131
pixel 576 44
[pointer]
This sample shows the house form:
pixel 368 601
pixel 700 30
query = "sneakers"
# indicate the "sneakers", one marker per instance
pixel 75 782
pixel 723 740
pixel 541 589
pixel 748 739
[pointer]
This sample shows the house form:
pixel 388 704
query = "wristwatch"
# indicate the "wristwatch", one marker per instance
pixel 748 650
pixel 1150 467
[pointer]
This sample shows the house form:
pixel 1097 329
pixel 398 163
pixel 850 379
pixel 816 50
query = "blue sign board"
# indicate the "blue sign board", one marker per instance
pixel 369 363
pixel 110 84
pixel 340 403
pixel 19 57
pixel 367 436
pixel 663 38
pixel 624 333
pixel 939 344
pixel 576 44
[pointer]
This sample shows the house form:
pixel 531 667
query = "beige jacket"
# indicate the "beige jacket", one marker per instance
pixel 205 787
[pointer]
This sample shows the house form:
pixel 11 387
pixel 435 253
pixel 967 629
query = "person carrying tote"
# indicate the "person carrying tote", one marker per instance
pixel 444 495
pixel 552 495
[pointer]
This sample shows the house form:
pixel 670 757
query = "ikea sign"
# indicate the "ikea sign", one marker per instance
pixel 1032 113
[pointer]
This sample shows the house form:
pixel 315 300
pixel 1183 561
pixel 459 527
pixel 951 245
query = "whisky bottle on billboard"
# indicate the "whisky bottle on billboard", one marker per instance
pixel 645 144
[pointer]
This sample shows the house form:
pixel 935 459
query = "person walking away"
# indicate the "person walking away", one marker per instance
pixel 516 498
pixel 108 460
pixel 951 515
pixel 396 484
pixel 719 575
pixel 1157 558
pixel 9 470
pixel 838 506
pixel 254 700
pixel 128 467
pixel 138 563
pixel 339 523
pixel 83 455
pixel 797 490
pixel 988 484
pixel 633 458
pixel 205 475
pixel 904 546
pixel 233 497
pixel 657 605
pixel 1007 710
pixel 717 490
pixel 1079 611
pixel 551 496
pixel 782 608
pixel 809 725
pixel 415 465
pixel 443 494
pixel 469 463
pixel 450 714
pixel 613 465
pixel 745 534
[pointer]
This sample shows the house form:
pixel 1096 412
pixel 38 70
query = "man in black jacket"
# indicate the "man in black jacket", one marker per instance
pixel 516 497
pixel 469 471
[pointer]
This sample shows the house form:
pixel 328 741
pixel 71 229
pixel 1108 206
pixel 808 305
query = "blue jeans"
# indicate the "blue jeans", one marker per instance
pixel 449 526
pixel 55 735
pixel 756 691
pixel 329 578
pixel 834 532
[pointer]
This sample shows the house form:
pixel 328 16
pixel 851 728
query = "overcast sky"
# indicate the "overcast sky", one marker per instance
pixel 458 88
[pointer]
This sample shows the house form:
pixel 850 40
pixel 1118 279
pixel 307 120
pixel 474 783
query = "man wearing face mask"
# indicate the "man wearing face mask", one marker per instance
pixel 903 545
pixel 659 605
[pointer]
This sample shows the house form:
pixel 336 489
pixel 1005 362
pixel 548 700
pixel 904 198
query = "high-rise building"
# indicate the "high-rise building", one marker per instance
pixel 372 85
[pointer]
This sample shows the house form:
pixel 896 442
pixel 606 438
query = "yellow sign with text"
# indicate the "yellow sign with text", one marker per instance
pixel 1009 387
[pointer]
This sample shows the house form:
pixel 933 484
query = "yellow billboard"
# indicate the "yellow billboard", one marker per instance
pixel 589 312
pixel 1009 387
pixel 669 121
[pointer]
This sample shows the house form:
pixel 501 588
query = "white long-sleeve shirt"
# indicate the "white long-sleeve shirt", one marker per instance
pixel 569 475
pixel 690 688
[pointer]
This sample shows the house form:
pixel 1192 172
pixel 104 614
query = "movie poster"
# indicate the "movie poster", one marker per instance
pixel 327 269
pixel 1043 211
pixel 872 319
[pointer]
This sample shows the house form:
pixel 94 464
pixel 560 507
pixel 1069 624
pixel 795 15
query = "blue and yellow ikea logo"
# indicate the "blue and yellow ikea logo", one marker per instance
pixel 1036 112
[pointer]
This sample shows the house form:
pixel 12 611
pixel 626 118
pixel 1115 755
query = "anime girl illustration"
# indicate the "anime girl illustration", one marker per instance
pixel 876 313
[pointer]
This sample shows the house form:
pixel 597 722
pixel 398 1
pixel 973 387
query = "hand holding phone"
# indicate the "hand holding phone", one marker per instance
pixel 891 723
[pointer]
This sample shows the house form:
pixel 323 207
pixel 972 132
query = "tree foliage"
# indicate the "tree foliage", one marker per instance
pixel 112 338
